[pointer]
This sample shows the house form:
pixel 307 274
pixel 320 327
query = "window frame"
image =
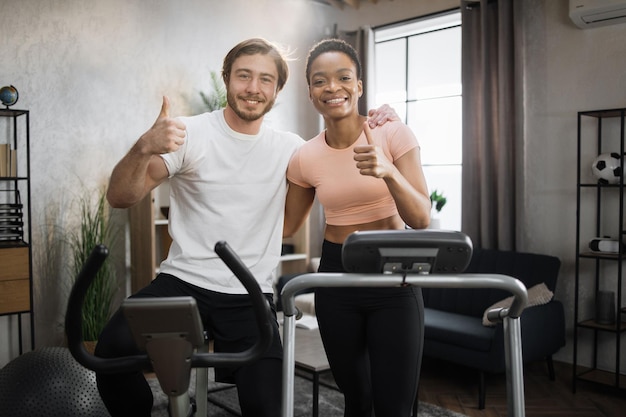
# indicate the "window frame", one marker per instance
pixel 436 173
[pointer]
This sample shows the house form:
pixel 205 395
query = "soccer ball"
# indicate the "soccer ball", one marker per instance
pixel 606 168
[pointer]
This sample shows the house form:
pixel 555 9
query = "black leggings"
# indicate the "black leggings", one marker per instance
pixel 373 338
pixel 229 319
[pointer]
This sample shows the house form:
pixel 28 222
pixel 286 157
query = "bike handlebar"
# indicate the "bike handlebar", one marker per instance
pixel 73 320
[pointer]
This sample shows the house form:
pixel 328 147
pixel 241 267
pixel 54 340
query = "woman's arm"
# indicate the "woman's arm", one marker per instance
pixel 410 191
pixel 404 178
pixel 297 207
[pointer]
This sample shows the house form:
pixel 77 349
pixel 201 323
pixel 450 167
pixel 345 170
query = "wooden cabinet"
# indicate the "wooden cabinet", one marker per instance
pixel 142 243
pixel 297 261
pixel 16 296
pixel 150 240
pixel 14 280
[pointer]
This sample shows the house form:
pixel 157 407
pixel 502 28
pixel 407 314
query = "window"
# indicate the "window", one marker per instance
pixel 418 72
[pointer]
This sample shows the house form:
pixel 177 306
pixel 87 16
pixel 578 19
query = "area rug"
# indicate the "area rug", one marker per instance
pixel 223 401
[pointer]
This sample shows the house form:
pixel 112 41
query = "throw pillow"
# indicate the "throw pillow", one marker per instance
pixel 537 295
pixel 305 303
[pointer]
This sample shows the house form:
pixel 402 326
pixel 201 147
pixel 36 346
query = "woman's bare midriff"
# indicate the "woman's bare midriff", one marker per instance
pixel 338 234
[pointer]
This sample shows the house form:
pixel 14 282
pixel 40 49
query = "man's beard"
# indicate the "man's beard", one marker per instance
pixel 248 115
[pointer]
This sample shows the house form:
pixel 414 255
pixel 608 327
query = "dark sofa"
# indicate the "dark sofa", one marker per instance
pixel 454 329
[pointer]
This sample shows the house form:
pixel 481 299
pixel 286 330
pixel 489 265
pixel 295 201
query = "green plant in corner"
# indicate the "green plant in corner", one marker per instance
pixel 94 228
pixel 216 98
pixel 437 200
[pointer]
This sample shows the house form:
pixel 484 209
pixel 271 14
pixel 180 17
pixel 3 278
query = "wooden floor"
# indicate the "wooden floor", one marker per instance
pixel 456 389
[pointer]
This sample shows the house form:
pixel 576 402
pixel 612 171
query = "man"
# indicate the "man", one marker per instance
pixel 227 180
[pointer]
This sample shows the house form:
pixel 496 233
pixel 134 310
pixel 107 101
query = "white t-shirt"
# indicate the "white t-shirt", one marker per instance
pixel 227 186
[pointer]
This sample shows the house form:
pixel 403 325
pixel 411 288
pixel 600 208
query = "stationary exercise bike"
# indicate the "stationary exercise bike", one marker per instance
pixel 170 331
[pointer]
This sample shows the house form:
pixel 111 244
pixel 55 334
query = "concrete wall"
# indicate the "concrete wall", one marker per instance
pixel 567 70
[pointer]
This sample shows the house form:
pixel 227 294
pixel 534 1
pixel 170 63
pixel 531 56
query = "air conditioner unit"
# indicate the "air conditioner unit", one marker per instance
pixel 594 13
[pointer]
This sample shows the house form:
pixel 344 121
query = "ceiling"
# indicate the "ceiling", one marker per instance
pixel 354 4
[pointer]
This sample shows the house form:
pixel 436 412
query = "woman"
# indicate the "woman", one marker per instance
pixel 365 180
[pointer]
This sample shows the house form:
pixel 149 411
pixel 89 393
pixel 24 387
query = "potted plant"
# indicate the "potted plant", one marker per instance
pixel 437 200
pixel 94 228
pixel 216 98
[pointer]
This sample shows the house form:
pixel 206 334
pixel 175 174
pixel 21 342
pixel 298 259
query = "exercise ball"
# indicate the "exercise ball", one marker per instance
pixel 49 382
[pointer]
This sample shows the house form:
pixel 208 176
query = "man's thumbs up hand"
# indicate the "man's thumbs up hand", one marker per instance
pixel 165 109
pixel 166 135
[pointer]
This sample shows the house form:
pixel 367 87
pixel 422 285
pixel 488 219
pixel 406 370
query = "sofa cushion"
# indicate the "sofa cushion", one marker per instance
pixel 457 329
pixel 529 268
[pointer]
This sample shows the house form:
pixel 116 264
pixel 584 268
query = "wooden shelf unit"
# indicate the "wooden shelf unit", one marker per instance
pixel 16 284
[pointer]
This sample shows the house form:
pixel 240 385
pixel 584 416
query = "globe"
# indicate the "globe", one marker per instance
pixel 8 95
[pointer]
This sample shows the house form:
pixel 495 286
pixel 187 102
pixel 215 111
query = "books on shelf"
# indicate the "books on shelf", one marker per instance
pixel 11 223
pixel 12 163
pixel 4 159
pixel 8 161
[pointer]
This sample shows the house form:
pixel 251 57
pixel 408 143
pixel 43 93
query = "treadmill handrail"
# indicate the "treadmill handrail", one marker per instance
pixel 496 281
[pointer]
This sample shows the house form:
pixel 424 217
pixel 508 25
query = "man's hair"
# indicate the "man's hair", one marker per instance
pixel 257 46
pixel 332 45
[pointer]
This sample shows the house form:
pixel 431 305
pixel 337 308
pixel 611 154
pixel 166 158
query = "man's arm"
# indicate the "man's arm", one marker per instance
pixel 134 177
pixel 142 169
pixel 381 115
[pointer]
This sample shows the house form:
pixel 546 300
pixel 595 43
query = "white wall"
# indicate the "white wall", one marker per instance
pixel 92 76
